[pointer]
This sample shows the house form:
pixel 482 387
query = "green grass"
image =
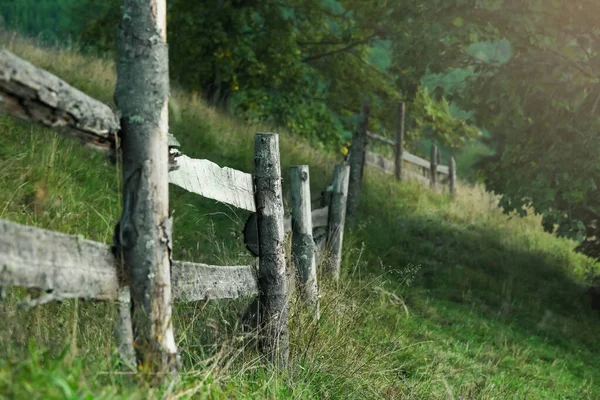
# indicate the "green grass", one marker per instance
pixel 439 299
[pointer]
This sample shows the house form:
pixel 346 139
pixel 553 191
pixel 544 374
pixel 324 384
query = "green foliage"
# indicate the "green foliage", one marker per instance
pixel 538 96
pixel 428 114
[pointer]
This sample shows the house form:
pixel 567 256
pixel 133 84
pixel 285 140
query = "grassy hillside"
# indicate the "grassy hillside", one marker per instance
pixel 438 300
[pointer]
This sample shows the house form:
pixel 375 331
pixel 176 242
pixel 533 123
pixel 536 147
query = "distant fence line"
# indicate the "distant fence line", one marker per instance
pixel 412 167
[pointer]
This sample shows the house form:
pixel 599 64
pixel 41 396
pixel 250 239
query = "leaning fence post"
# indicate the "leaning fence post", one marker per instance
pixel 143 235
pixel 272 279
pixel 452 177
pixel 303 246
pixel 337 217
pixel 357 159
pixel 433 165
pixel 398 149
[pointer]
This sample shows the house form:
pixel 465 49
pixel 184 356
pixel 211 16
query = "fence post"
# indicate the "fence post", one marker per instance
pixel 337 217
pixel 272 278
pixel 143 234
pixel 357 160
pixel 303 246
pixel 398 149
pixel 433 165
pixel 452 177
pixel 123 331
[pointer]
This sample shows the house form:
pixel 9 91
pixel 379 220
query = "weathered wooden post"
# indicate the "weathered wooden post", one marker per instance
pixel 303 246
pixel 398 149
pixel 357 160
pixel 144 231
pixel 433 165
pixel 452 177
pixel 272 279
pixel 337 217
pixel 123 330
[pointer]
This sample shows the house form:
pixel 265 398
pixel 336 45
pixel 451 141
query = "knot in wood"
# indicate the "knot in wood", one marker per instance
pixel 304 176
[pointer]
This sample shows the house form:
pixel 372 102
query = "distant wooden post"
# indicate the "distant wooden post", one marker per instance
pixel 398 149
pixel 433 165
pixel 303 246
pixel 439 156
pixel 272 279
pixel 143 235
pixel 337 216
pixel 357 161
pixel 452 177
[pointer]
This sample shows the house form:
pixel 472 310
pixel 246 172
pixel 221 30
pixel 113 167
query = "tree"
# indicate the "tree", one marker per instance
pixel 540 106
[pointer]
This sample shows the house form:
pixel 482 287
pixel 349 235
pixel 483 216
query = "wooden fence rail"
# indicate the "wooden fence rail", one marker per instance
pixel 69 266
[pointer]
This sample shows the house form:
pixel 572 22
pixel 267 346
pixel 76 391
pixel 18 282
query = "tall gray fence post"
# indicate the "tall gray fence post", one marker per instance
pixel 303 246
pixel 452 177
pixel 272 279
pixel 357 161
pixel 433 166
pixel 143 235
pixel 337 217
pixel 398 149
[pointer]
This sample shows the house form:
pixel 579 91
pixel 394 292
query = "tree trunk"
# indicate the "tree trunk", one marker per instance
pixel 144 230
pixel 357 154
pixel 303 246
pixel 272 277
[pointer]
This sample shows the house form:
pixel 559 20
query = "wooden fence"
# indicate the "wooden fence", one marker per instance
pixel 68 266
pixel 138 271
pixel 406 166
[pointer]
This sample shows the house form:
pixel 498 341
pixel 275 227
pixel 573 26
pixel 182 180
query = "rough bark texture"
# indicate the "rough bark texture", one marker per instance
pixel 124 331
pixel 194 282
pixel 272 278
pixel 398 148
pixel 36 95
pixel 303 246
pixel 207 179
pixel 356 162
pixel 433 167
pixel 144 232
pixel 337 217
pixel 452 177
pixel 63 266
pixel 67 266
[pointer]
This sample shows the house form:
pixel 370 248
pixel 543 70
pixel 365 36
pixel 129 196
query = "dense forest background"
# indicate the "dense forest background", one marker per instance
pixel 511 86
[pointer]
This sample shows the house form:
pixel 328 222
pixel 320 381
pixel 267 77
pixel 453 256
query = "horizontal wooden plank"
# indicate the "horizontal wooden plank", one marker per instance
pixel 381 138
pixel 192 281
pixel 67 266
pixel 34 94
pixel 387 166
pixel 64 266
pixel 384 163
pixel 207 179
pixel 319 218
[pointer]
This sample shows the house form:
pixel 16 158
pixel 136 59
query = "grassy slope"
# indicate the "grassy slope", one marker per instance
pixel 440 299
